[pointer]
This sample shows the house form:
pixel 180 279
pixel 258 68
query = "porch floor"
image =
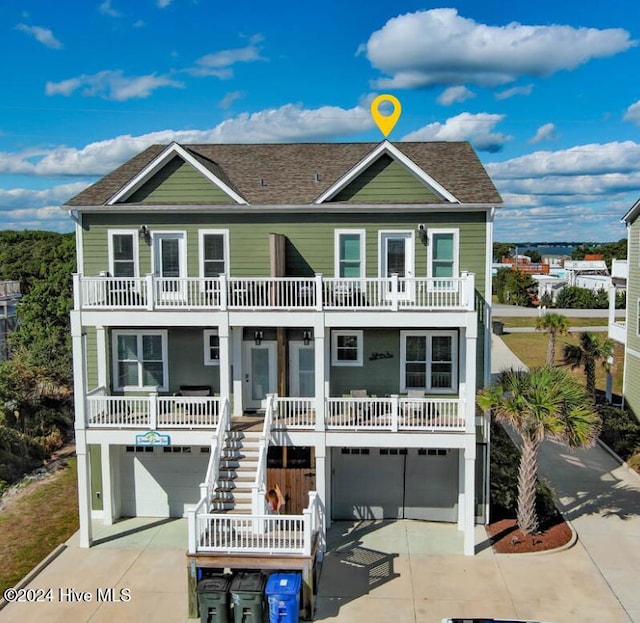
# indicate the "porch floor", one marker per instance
pixel 252 422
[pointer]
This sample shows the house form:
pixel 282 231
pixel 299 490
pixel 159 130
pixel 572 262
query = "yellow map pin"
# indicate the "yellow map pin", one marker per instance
pixel 385 123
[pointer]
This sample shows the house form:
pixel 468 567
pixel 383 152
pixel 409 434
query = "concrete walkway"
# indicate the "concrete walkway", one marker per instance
pixel 602 500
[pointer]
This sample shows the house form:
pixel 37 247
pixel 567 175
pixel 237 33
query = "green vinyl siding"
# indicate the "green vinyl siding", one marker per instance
pixel 310 239
pixel 95 467
pixel 386 180
pixel 186 360
pixel 178 182
pixel 91 358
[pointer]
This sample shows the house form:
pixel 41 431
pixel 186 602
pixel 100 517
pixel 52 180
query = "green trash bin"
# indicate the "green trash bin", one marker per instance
pixel 247 593
pixel 213 599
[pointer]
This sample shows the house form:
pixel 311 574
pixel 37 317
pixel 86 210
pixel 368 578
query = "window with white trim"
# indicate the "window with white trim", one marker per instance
pixel 428 361
pixel 350 253
pixel 214 252
pixel 443 253
pixel 123 253
pixel 211 347
pixel 140 360
pixel 346 348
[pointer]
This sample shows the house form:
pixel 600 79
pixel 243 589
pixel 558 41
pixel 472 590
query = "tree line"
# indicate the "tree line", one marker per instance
pixel 36 415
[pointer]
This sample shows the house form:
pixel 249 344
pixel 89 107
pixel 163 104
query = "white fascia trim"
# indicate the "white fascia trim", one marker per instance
pixel 398 156
pixel 158 162
pixel 632 213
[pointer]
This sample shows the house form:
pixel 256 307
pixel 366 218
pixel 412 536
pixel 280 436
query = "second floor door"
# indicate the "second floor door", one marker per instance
pixel 170 265
pixel 396 258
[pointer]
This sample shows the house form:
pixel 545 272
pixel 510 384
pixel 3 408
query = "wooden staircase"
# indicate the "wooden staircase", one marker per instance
pixel 237 472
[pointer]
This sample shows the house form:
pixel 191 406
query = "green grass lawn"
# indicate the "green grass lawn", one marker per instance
pixel 34 524
pixel 531 348
pixel 573 322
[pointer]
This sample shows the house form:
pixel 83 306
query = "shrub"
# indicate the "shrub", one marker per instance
pixel 620 431
pixel 18 454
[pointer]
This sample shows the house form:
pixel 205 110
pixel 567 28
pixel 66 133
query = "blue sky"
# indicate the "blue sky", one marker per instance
pixel 547 93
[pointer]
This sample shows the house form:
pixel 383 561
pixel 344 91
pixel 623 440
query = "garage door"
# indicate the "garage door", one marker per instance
pixel 161 482
pixel 395 483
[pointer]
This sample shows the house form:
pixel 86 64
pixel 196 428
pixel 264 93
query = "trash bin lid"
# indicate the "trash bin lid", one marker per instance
pixel 283 584
pixel 248 582
pixel 216 583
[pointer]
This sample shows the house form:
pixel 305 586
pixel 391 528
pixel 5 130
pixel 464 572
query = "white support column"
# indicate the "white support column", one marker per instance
pixel 470 354
pixel 115 453
pixel 320 371
pixel 321 487
pixel 225 360
pixel 80 392
pixel 469 497
pixel 107 484
pixel 612 305
pixel 327 364
pixel 236 347
pixel 101 353
pixel 461 490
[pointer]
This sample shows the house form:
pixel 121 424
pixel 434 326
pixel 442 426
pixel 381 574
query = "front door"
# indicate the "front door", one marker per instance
pixel 396 257
pixel 169 265
pixel 301 369
pixel 259 372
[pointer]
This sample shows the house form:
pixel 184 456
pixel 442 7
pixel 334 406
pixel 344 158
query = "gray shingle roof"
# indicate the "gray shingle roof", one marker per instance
pixel 297 173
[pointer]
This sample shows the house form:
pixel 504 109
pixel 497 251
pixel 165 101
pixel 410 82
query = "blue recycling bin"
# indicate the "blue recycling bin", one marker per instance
pixel 283 595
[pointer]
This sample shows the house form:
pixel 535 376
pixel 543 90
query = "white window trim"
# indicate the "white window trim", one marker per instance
pixel 359 334
pixel 456 249
pixel 213 232
pixel 165 359
pixel 637 318
pixel 206 334
pixel 428 335
pixel 182 236
pixel 136 257
pixel 363 250
pixel 411 265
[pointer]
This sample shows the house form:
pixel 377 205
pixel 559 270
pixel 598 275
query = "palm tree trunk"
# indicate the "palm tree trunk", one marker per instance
pixel 527 477
pixel 551 349
pixel 590 377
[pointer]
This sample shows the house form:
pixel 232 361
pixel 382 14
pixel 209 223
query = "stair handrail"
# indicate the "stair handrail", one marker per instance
pixel 208 487
pixel 259 487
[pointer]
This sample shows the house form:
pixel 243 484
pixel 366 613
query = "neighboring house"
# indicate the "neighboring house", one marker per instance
pixel 340 292
pixel 9 297
pixel 627 332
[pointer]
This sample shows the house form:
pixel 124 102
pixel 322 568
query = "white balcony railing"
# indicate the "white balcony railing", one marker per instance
pixel 277 293
pixel 255 534
pixel 152 412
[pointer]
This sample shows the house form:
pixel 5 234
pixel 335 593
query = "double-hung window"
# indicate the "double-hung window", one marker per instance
pixel 140 360
pixel 443 253
pixel 211 347
pixel 214 252
pixel 429 361
pixel 123 253
pixel 350 253
pixel 346 347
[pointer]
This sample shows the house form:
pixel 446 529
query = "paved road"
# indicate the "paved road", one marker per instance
pixel 600 497
pixel 512 311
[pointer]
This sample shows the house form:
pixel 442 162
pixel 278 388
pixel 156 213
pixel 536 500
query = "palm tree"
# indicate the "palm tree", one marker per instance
pixel 587 353
pixel 553 324
pixel 542 403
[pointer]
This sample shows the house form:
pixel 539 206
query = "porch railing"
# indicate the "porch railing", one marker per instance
pixel 208 487
pixel 152 412
pixel 274 293
pixel 292 413
pixel 259 534
pixel 259 487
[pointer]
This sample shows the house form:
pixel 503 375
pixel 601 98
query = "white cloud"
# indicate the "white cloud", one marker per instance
pixel 507 93
pixel 229 98
pixel 290 122
pixel 438 46
pixel 219 63
pixel 163 3
pixel 106 9
pixel 478 129
pixel 633 113
pixel 546 132
pixel 454 95
pixel 42 35
pixel 111 85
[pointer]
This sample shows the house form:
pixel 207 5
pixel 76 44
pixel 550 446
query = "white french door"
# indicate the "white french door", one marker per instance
pixel 397 257
pixel 302 375
pixel 170 265
pixel 259 373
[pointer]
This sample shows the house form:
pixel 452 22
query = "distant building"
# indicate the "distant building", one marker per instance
pixel 9 297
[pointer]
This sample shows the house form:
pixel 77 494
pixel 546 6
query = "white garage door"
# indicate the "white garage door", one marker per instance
pixel 161 483
pixel 395 483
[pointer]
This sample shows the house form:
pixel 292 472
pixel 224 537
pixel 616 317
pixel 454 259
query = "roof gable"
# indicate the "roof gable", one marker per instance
pixel 632 214
pixel 160 179
pixel 352 182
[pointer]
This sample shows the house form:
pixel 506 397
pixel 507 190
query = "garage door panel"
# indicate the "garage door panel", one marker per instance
pixel 161 484
pixel 366 486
